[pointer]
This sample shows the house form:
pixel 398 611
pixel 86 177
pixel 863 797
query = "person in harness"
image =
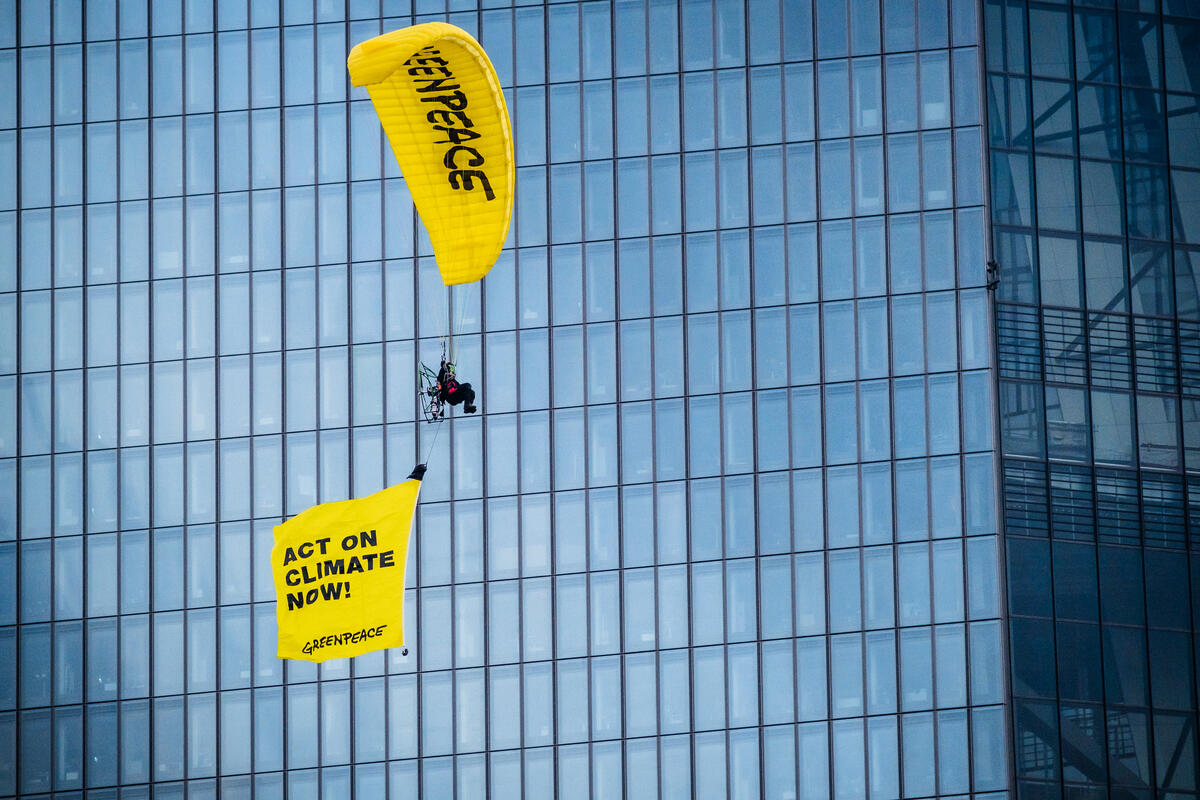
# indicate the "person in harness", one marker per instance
pixel 451 391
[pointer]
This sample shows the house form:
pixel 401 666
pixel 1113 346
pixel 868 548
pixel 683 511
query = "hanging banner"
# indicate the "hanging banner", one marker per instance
pixel 339 574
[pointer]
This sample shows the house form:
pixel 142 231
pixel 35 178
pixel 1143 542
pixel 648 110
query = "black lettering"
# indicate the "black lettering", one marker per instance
pixel 331 591
pixel 349 542
pixel 335 566
pixel 386 559
pixel 454 102
pixel 444 117
pixel 288 577
pixel 289 557
pixel 429 49
pixel 439 85
pixel 467 176
pixel 295 601
pixel 456 135
pixel 430 71
pixel 353 565
pixel 310 596
pixel 368 539
pixel 323 542
pixel 476 159
pixel 427 60
pixel 305 550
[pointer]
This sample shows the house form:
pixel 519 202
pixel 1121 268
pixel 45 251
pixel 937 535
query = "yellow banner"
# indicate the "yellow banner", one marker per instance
pixel 339 575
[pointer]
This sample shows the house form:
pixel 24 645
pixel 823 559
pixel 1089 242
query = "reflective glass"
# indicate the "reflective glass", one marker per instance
pixel 564 611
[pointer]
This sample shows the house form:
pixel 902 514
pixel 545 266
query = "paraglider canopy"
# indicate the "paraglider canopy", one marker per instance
pixel 440 103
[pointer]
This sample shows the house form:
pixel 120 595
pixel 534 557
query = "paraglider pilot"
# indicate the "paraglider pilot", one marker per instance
pixel 451 391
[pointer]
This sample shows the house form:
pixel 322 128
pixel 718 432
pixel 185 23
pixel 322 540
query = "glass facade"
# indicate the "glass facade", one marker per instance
pixel 726 525
pixel 1095 166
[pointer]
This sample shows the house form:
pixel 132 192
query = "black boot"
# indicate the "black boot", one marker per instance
pixel 468 398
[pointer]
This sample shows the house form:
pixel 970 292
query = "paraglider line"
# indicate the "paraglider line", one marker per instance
pixel 456 317
pixel 436 433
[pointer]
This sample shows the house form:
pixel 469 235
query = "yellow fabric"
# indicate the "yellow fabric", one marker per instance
pixel 442 108
pixel 339 575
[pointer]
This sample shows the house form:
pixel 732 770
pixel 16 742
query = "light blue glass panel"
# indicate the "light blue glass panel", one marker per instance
pixel 841 415
pixel 846 674
pixel 504 727
pixel 988 742
pixel 918 754
pixel 134 733
pixel 598 214
pixel 916 690
pixel 950 645
pixel 849 756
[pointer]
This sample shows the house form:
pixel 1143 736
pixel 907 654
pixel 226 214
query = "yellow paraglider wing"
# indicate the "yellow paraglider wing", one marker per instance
pixel 441 106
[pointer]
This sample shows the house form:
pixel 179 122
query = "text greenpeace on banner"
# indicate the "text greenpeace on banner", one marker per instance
pixel 452 121
pixel 339 575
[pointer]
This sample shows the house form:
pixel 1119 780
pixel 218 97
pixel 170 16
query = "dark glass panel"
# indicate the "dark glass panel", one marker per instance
pixel 1121 598
pixel 1033 657
pixel 1150 278
pixel 1129 750
pixel 1095 46
pixel 1009 97
pixel 1036 740
pixel 1016 36
pixel 1029 577
pixel 1175 751
pixel 1181 40
pixel 1146 199
pixel 1104 264
pixel 1075 582
pixel 1125 665
pixel 1011 189
pixel 1167 590
pixel 1057 201
pixel 1145 133
pixel 1183 129
pixel 1053 117
pixel 1099 122
pixel 1083 754
pixel 1195 492
pixel 1018 278
pixel 1140 55
pixel 1102 190
pixel 1023 416
pixel 1079 672
pixel 1050 48
pixel 1171 670
pixel 1036 790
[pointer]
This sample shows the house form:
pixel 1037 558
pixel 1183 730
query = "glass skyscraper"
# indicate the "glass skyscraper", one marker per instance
pixel 1095 146
pixel 771 476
